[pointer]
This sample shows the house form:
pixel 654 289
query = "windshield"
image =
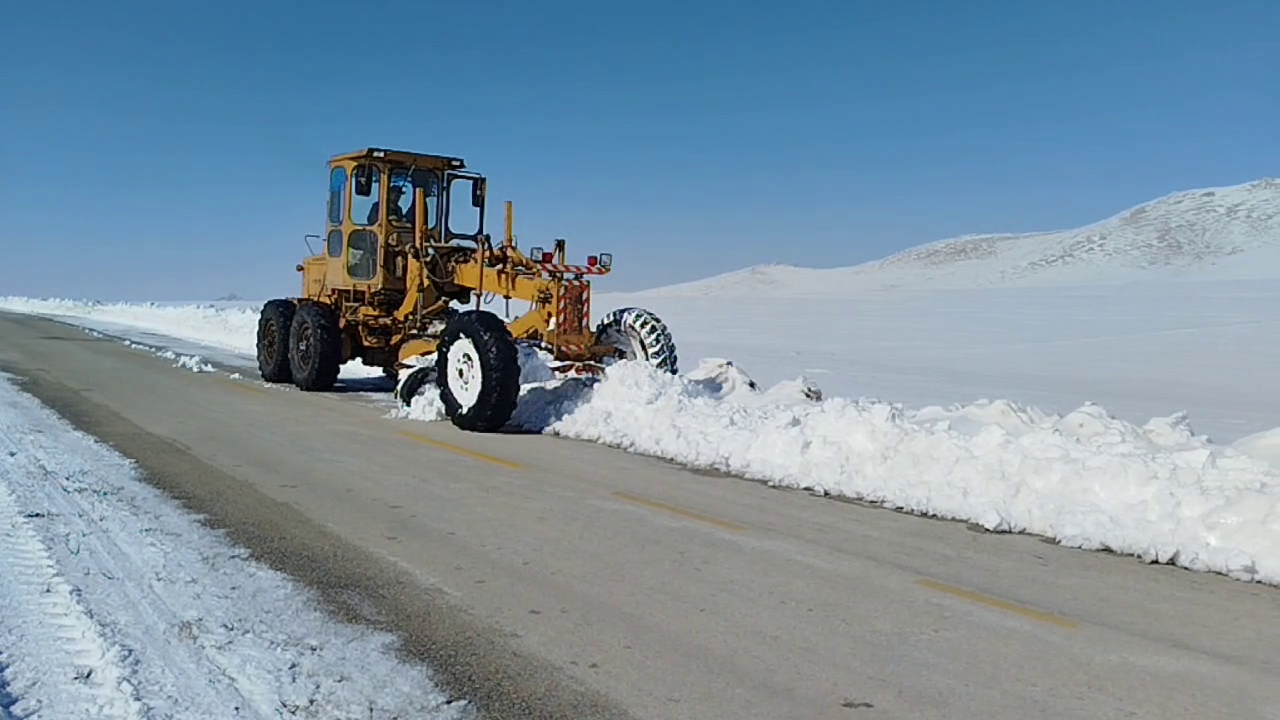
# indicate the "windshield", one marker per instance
pixel 400 195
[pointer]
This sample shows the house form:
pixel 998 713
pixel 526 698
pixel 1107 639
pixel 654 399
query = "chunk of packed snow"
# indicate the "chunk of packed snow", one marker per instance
pixel 194 363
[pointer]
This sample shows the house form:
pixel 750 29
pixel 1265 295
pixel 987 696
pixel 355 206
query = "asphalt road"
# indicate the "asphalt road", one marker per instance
pixel 550 578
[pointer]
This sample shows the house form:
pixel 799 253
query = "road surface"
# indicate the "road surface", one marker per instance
pixel 549 578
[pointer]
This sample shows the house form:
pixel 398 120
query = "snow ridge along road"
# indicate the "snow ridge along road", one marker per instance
pixel 117 604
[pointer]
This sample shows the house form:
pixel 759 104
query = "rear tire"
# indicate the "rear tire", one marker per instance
pixel 640 335
pixel 478 371
pixel 315 348
pixel 274 325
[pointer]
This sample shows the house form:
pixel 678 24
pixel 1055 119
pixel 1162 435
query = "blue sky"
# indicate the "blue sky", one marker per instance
pixel 175 151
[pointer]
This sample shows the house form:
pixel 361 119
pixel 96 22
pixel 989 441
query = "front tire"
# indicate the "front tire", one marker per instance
pixel 478 371
pixel 274 325
pixel 315 348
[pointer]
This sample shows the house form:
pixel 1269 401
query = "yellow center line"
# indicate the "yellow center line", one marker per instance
pixel 461 450
pixel 681 512
pixel 999 604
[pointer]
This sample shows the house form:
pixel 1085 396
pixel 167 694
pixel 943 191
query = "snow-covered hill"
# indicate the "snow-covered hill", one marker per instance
pixel 1213 233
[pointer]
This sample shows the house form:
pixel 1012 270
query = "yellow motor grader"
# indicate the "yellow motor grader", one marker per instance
pixel 400 284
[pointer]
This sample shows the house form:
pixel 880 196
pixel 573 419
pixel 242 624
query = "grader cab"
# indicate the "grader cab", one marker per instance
pixel 406 270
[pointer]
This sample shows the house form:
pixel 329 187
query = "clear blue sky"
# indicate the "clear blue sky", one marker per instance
pixel 177 150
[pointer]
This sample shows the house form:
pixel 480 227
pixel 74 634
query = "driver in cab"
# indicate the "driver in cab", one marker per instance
pixel 395 214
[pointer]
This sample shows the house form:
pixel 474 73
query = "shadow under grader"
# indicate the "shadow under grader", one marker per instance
pixel 364 385
pixel 542 406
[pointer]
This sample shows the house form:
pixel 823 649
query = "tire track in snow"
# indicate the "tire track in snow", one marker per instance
pixel 56 664
pixel 202 630
pixel 177 674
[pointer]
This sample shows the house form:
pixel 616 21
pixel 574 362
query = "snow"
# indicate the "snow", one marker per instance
pixel 1208 233
pixel 116 603
pixel 1107 386
pixel 1264 445
pixel 1076 413
pixel 1157 491
pixel 1207 348
pixel 224 326
pixel 222 332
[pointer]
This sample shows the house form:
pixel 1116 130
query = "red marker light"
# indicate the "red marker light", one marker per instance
pixel 548 257
pixel 592 260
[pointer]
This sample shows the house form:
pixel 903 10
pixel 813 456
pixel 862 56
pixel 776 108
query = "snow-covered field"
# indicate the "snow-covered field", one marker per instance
pixel 1057 411
pixel 1140 350
pixel 1220 233
pixel 116 603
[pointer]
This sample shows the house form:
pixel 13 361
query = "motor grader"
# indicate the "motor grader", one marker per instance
pixel 401 285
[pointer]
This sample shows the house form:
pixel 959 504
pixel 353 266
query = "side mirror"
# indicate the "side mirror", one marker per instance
pixel 477 192
pixel 364 180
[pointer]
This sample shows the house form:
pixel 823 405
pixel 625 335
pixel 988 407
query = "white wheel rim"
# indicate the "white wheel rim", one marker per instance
pixel 464 374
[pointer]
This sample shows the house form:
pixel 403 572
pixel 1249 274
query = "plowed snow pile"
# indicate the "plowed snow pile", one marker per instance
pixel 1157 491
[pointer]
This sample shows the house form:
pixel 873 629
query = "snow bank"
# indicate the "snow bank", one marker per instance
pixel 1086 479
pixel 116 603
pixel 232 328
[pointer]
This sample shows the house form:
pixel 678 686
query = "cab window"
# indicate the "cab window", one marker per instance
pixel 399 198
pixel 337 195
pixel 362 255
pixel 430 184
pixel 365 201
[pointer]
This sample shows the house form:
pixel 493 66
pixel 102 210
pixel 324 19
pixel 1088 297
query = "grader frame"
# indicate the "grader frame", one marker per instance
pixel 394 283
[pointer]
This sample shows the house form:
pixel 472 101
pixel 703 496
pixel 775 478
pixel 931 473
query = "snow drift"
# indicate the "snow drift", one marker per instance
pixel 1157 491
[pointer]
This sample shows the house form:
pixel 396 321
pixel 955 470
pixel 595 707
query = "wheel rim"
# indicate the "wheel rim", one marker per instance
pixel 272 336
pixel 304 346
pixel 464 373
